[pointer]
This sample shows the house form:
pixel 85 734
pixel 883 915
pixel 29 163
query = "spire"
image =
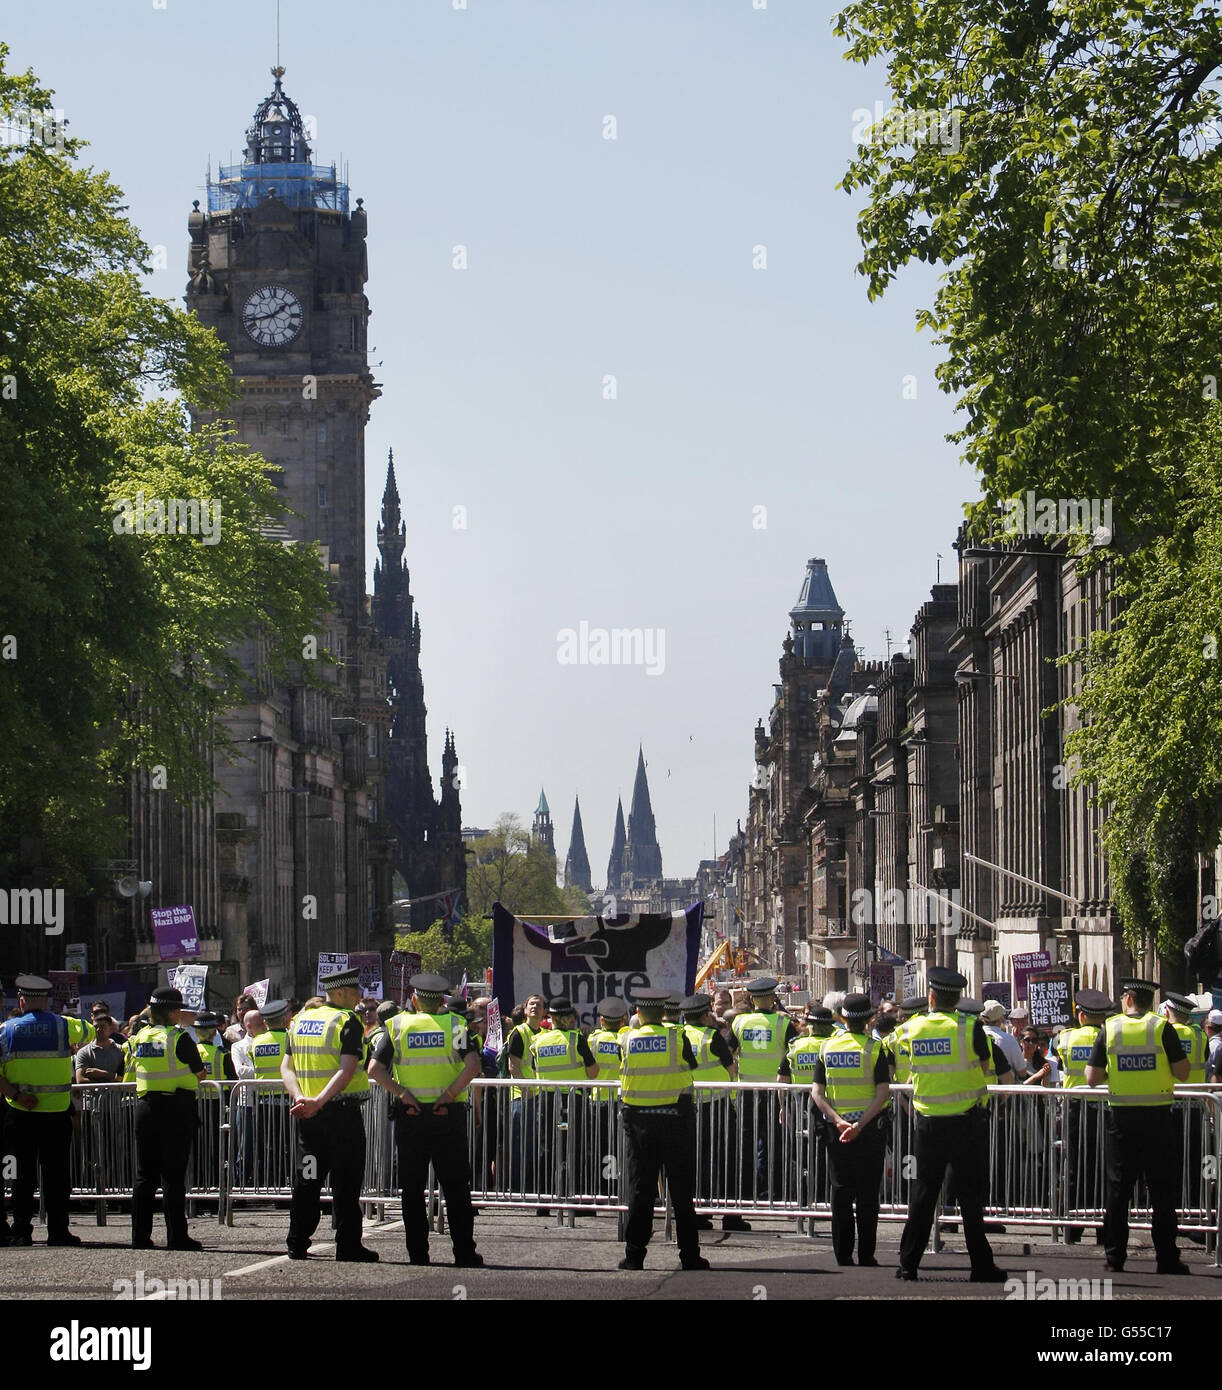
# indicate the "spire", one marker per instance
pixel 542 830
pixel 817 618
pixel 643 858
pixel 277 132
pixel 577 863
pixel 619 842
pixel 542 809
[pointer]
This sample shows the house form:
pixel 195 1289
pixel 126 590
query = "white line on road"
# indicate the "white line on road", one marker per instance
pixel 279 1259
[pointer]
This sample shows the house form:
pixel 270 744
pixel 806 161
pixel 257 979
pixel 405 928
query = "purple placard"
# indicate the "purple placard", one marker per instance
pixel 174 928
pixel 1024 965
pixel 996 989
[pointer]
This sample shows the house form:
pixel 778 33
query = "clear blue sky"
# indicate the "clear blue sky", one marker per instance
pixel 737 388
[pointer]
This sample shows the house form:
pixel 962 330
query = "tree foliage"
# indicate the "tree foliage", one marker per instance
pixel 448 952
pixel 509 867
pixel 120 646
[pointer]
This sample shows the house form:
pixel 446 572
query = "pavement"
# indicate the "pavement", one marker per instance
pixel 533 1257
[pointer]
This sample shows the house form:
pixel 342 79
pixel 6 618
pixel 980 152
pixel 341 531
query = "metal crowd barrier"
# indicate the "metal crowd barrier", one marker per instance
pixel 761 1152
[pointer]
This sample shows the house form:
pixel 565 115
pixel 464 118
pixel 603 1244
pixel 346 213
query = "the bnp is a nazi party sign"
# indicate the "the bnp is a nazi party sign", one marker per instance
pixel 591 958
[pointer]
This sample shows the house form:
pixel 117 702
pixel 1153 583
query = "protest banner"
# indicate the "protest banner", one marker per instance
pixel 1024 965
pixel 1050 998
pixel 174 928
pixel 191 981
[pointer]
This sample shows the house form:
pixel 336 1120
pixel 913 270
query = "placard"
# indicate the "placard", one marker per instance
pixel 1050 998
pixel 1025 965
pixel 403 965
pixel 258 991
pixel 174 928
pixel 191 981
pixel 996 989
pixel 76 957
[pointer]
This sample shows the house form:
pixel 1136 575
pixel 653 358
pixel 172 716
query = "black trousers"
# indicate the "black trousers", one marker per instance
pixel 330 1143
pixel 1082 1121
pixel 857 1175
pixel 1142 1142
pixel 441 1140
pixel 41 1139
pixel 656 1143
pixel 165 1133
pixel 960 1143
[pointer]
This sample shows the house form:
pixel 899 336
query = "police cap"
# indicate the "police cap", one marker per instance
pixel 340 979
pixel 387 1009
pixel 974 1007
pixel 167 997
pixel 818 1014
pixel 562 1004
pixel 1093 1001
pixel 764 985
pixel 697 1004
pixel 914 1004
pixel 430 984
pixel 612 1008
pixel 941 977
pixel 1180 1003
pixel 274 1009
pixel 33 984
pixel 1137 986
pixel 651 998
pixel 856 1006
pixel 206 1020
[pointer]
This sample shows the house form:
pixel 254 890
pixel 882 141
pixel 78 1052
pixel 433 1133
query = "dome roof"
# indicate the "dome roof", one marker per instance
pixel 862 705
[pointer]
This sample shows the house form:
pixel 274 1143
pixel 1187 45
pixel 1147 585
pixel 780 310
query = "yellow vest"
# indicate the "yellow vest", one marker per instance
pixel 803 1055
pixel 708 1068
pixel 653 1071
pixel 947 1078
pixel 426 1061
pixel 152 1061
pixel 214 1061
pixel 528 1068
pixel 761 1045
pixel 848 1060
pixel 1138 1072
pixel 554 1056
pixel 265 1055
pixel 605 1046
pixel 1074 1047
pixel 36 1056
pixel 315 1038
pixel 1196 1046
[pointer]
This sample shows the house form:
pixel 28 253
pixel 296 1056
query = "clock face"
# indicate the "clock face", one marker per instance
pixel 272 316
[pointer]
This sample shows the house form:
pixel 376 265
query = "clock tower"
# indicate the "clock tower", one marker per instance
pixel 303 849
pixel 278 269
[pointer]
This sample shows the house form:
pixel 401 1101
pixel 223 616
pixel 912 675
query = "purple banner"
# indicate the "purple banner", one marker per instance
pixel 996 989
pixel 174 928
pixel 1029 964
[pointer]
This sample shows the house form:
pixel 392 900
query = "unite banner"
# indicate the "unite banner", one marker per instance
pixel 588 959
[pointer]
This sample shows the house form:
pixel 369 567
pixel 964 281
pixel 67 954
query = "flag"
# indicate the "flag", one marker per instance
pixel 462 988
pixel 451 908
pixel 889 957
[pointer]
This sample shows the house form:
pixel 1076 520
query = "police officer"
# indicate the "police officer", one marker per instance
pixel 819 1022
pixel 267 1050
pixel 271 1131
pixel 559 1054
pixel 1140 1057
pixel 850 1086
pixel 213 1053
pixel 427 1060
pixel 604 1043
pixel 798 1069
pixel 716 1131
pixel 323 1053
pixel 948 1055
pixel 1073 1048
pixel 764 1035
pixel 1178 1009
pixel 36 1081
pixel 164 1062
pixel 524 1138
pixel 659 1130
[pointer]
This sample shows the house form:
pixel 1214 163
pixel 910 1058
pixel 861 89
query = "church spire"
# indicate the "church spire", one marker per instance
pixel 577 863
pixel 642 857
pixel 615 865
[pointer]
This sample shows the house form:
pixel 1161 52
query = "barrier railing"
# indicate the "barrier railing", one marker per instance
pixel 762 1151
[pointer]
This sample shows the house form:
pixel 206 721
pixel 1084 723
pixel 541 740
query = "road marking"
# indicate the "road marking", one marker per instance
pixel 279 1259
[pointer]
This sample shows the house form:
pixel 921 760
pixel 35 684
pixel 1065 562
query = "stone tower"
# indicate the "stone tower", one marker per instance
pixel 541 829
pixel 643 857
pixel 277 268
pixel 428 833
pixel 577 862
pixel 619 841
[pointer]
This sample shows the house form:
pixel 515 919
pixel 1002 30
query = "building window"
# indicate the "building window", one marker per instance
pixel 354 334
pixel 372 746
pixel 322 496
pixel 322 434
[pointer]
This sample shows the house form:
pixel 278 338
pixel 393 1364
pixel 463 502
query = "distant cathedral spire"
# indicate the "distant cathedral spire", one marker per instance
pixel 542 830
pixel 577 863
pixel 619 841
pixel 643 857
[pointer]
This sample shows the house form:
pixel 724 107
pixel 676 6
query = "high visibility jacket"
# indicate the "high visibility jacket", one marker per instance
pixel 761 1045
pixel 653 1071
pixel 708 1068
pixel 803 1054
pixel 36 1055
pixel 315 1037
pixel 1074 1046
pixel 1196 1046
pixel 266 1052
pixel 946 1074
pixel 214 1061
pixel 152 1061
pixel 897 1048
pixel 848 1059
pixel 605 1046
pixel 427 1058
pixel 528 1067
pixel 1138 1072
pixel 555 1057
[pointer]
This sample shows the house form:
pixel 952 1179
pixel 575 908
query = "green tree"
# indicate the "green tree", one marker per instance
pixel 508 867
pixel 468 947
pixel 118 649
